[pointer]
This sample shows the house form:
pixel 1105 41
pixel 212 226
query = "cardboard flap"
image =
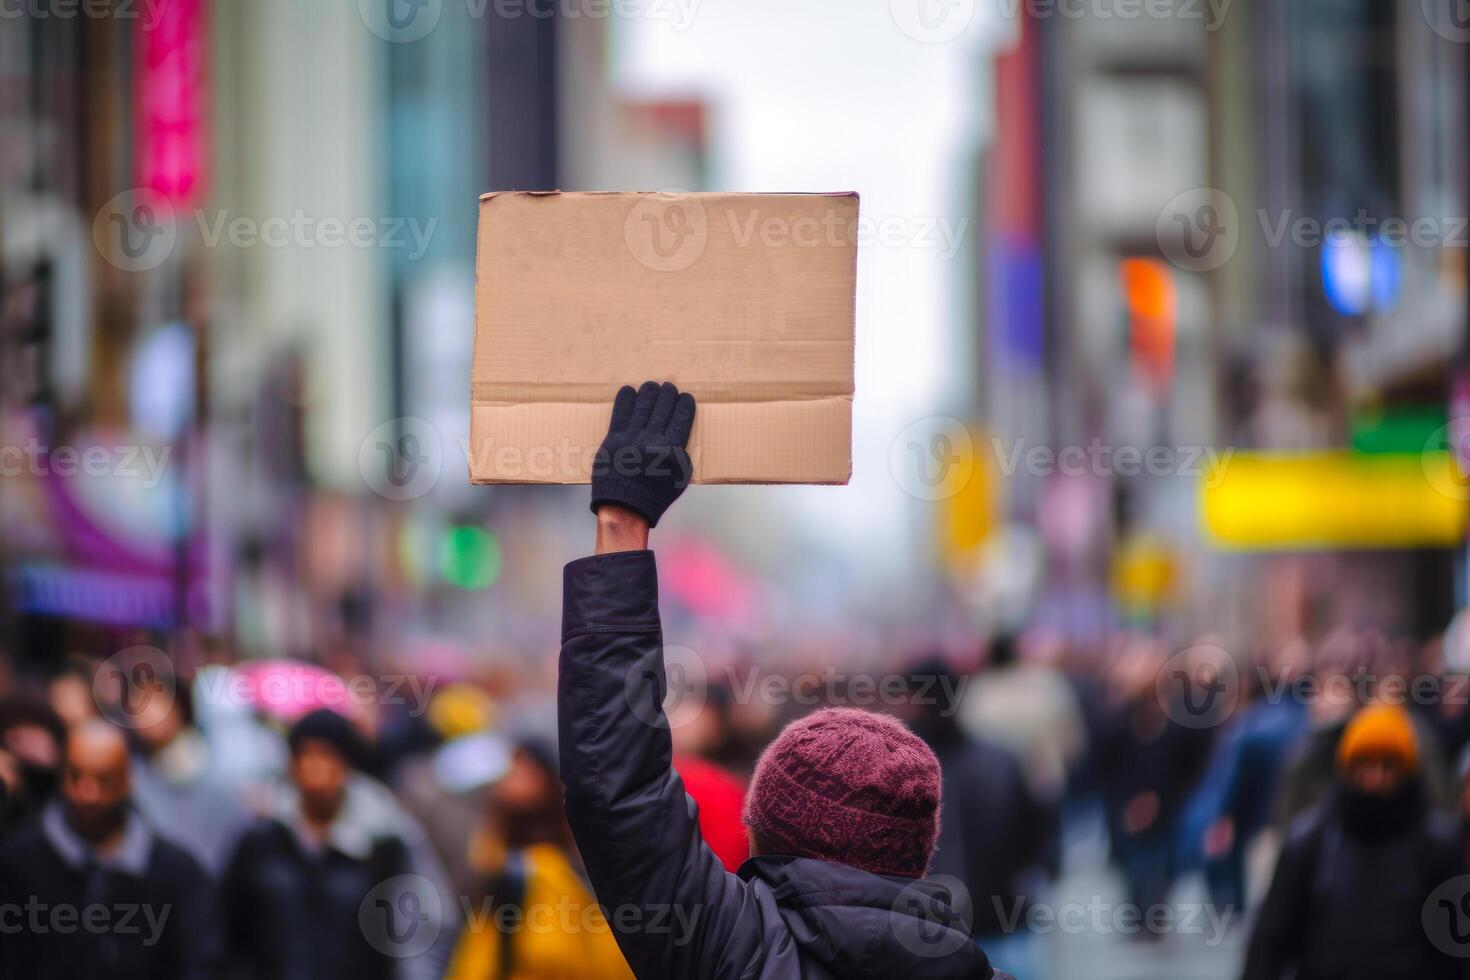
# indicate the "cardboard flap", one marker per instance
pixel 745 300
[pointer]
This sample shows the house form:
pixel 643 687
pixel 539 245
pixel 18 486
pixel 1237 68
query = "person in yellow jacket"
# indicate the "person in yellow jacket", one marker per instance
pixel 537 918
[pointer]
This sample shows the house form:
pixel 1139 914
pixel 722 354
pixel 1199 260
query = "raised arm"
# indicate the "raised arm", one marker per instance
pixel 671 905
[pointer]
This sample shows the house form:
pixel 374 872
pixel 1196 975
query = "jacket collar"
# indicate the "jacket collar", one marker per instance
pixel 130 856
pixel 797 878
pixel 865 925
pixel 368 814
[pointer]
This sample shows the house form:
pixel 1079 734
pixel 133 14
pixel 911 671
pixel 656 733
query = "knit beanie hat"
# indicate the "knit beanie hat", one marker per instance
pixel 849 787
pixel 1382 730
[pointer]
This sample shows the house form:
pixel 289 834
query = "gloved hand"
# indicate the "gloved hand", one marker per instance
pixel 642 464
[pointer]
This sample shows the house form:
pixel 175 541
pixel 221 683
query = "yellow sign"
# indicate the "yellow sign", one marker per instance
pixel 968 514
pixel 1335 500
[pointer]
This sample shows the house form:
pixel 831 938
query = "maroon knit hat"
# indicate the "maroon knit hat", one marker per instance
pixel 850 787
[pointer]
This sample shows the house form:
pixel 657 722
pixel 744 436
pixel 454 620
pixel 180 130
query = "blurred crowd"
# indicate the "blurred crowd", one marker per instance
pixel 286 819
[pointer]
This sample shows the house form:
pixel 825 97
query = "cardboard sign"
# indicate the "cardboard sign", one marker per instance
pixel 745 300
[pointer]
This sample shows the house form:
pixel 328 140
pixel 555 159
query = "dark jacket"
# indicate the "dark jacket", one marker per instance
pixel 991 829
pixel 144 913
pixel 294 915
pixel 674 910
pixel 1355 895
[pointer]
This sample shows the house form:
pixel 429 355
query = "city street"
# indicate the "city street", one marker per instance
pixel 677 489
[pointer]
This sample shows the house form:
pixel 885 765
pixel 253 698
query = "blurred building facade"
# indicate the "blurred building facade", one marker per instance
pixel 1189 245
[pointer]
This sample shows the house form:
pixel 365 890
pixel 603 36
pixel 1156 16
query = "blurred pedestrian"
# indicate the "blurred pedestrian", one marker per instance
pixel 95 892
pixel 1151 763
pixel 1027 705
pixel 73 694
pixel 993 832
pixel 32 738
pixel 1349 666
pixel 177 785
pixel 536 917
pixel 1235 799
pixel 313 889
pixel 1351 884
pixel 843 810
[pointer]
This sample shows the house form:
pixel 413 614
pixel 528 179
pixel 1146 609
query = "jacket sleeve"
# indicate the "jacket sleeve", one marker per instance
pixel 674 909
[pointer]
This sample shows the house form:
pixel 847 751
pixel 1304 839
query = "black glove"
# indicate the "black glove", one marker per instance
pixel 642 464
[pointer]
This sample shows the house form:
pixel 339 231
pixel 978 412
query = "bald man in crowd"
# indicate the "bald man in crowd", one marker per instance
pixel 89 890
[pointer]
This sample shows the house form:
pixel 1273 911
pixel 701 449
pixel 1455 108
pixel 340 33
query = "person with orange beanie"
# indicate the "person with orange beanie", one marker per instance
pixel 1354 886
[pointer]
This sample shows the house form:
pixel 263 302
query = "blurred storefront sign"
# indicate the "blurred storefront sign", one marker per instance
pixel 91 595
pixel 1144 576
pixel 171 93
pixel 1398 429
pixel 1336 499
pixel 969 505
pixel 94 526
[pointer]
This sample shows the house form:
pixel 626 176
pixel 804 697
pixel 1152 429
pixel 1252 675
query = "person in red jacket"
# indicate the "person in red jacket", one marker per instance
pixel 721 799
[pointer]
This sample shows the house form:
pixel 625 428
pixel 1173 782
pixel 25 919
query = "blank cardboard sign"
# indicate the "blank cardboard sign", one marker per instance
pixel 745 300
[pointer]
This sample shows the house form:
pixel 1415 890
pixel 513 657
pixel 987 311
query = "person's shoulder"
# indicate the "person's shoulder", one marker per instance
pixel 262 835
pixel 24 843
pixel 168 860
